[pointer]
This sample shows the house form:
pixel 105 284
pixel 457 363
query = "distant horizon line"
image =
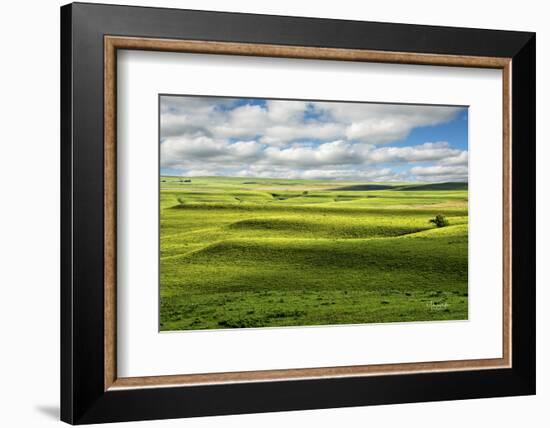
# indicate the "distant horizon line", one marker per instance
pixel 306 179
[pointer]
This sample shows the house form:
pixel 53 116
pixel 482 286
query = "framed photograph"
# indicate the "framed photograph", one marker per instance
pixel 267 213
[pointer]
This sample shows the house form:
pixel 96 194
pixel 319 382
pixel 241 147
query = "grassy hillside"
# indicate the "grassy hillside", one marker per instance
pixel 241 252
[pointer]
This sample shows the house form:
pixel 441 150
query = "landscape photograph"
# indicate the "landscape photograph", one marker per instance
pixel 285 213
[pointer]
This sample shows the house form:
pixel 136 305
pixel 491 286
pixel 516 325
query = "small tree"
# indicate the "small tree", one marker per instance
pixel 181 200
pixel 305 192
pixel 440 220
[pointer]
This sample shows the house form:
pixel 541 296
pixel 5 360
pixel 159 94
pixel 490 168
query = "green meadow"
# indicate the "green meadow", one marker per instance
pixel 250 252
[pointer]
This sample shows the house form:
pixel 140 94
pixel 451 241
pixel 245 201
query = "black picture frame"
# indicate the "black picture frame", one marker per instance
pixel 83 398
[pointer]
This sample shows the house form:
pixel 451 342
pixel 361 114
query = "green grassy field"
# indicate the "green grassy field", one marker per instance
pixel 240 252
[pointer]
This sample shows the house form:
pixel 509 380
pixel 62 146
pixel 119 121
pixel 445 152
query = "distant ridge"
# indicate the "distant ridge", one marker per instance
pixel 435 186
pixel 406 187
pixel 366 187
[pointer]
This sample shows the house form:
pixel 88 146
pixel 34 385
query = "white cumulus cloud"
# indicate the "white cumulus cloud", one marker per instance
pixel 301 139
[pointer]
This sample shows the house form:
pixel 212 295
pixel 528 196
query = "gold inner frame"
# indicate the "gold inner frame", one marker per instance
pixel 113 43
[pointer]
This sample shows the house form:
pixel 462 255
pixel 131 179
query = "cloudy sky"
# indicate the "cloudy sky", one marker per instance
pixel 247 137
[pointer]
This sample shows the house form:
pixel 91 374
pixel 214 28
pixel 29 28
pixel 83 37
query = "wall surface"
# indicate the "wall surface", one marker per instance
pixel 29 237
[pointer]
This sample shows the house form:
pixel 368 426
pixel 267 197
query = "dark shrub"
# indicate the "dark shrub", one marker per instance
pixel 440 220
